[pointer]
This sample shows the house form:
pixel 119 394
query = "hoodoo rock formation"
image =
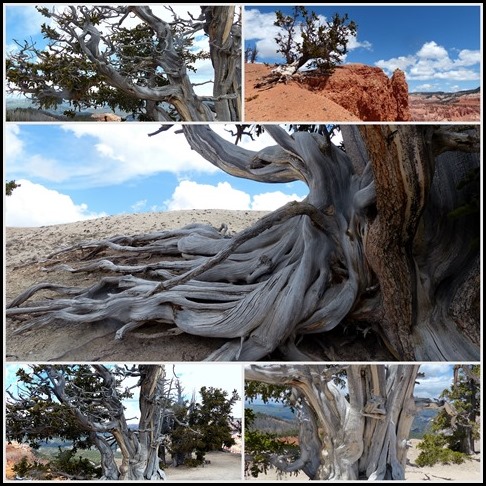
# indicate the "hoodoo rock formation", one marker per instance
pixel 440 106
pixel 107 117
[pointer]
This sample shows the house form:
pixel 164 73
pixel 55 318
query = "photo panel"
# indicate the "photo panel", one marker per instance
pixel 371 63
pixel 124 421
pixel 349 422
pixel 371 251
pixel 108 63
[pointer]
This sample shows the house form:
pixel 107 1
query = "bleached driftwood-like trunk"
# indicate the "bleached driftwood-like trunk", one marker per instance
pixel 372 244
pixel 363 437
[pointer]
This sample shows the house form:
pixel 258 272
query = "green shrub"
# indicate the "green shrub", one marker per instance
pixel 66 461
pixel 434 450
pixel 25 469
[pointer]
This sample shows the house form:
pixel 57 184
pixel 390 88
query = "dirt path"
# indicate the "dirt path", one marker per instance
pixel 223 466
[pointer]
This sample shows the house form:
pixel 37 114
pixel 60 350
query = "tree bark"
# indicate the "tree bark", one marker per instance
pixel 360 438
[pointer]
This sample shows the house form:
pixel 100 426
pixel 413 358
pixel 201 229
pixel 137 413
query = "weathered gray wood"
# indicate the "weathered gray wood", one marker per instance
pixel 338 438
pixel 374 246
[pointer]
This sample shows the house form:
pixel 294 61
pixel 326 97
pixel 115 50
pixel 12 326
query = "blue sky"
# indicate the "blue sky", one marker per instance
pixel 438 47
pixel 192 376
pixel 76 171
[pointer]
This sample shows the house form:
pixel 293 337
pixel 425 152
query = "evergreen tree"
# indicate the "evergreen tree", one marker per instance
pixel 455 428
pixel 322 43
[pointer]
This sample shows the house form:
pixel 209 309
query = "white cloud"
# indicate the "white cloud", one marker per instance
pixel 269 201
pixel 257 25
pixel 107 151
pixel 135 153
pixel 191 195
pixel 108 154
pixel 401 62
pixel 432 61
pixel 14 145
pixel 35 205
pixel 431 50
pixel 437 377
pixel 139 206
pixel 467 57
pixel 427 87
pixel 354 43
pixel 458 75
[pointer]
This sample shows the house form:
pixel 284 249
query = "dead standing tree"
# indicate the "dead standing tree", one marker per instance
pixel 96 56
pixel 373 243
pixel 360 437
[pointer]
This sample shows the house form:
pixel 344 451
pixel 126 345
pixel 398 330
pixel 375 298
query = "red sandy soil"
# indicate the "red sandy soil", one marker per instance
pixel 289 102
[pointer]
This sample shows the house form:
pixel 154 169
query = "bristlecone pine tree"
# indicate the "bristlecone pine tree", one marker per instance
pixel 84 403
pixel 96 57
pixel 387 239
pixel 359 436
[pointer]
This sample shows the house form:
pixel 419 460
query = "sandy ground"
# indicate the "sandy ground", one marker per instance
pixel 265 104
pixel 469 471
pixel 223 466
pixel 26 248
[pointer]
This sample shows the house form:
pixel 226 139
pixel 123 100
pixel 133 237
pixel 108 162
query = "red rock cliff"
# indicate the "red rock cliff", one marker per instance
pixel 365 91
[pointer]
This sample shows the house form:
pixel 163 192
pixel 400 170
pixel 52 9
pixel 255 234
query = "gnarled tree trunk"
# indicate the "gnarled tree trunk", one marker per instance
pixel 373 244
pixel 139 448
pixel 363 437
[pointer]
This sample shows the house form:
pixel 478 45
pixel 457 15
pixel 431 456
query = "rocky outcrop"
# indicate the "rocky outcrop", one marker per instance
pixel 462 106
pixel 400 93
pixel 108 117
pixel 365 91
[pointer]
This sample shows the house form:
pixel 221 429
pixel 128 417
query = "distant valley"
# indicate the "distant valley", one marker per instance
pixel 442 106
pixel 275 418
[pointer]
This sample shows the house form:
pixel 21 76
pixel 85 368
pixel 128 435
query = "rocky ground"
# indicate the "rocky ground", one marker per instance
pixel 353 92
pixel 225 466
